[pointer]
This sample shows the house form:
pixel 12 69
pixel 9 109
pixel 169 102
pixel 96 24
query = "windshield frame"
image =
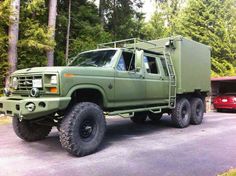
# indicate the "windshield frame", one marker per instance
pixel 112 63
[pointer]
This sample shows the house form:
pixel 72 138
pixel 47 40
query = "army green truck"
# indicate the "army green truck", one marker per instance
pixel 131 78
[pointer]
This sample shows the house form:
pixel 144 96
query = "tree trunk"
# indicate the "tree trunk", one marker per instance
pixel 52 26
pixel 68 32
pixel 101 12
pixel 13 36
pixel 114 18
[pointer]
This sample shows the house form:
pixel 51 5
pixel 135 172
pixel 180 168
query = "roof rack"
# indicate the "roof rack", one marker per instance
pixel 133 43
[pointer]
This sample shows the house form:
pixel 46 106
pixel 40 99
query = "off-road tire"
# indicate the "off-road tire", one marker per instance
pixel 30 131
pixel 182 113
pixel 197 111
pixel 139 117
pixel 155 117
pixel 82 129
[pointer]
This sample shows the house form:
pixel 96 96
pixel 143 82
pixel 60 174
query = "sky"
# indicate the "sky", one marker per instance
pixel 148 8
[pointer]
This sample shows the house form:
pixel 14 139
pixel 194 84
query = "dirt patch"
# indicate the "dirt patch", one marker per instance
pixel 231 172
pixel 5 120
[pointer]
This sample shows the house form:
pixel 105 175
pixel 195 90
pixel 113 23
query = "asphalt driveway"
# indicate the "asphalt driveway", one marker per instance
pixel 130 149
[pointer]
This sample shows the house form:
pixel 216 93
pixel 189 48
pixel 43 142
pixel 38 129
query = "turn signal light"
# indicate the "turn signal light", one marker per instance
pixel 53 89
pixel 68 75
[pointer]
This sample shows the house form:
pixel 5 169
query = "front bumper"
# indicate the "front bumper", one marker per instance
pixel 17 106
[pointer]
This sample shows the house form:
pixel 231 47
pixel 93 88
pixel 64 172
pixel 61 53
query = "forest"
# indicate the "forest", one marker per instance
pixel 50 32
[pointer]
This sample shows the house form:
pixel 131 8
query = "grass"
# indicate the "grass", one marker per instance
pixel 231 172
pixel 4 120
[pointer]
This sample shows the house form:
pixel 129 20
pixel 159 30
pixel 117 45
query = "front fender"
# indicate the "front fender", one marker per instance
pixel 89 86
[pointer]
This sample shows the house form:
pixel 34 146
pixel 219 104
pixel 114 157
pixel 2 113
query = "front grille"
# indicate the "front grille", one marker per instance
pixel 26 82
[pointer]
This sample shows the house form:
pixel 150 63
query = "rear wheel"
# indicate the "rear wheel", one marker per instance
pixel 82 129
pixel 29 130
pixel 182 113
pixel 155 117
pixel 197 111
pixel 139 117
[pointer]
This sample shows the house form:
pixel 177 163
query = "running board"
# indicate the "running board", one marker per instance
pixel 152 109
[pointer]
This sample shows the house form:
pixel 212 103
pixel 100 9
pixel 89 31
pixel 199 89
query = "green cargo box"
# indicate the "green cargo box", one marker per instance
pixel 191 60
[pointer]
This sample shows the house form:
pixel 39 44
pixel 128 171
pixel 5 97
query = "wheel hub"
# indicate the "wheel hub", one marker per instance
pixel 86 128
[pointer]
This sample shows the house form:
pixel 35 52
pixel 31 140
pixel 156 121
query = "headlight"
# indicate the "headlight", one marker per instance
pixel 6 92
pixel 53 80
pixel 15 83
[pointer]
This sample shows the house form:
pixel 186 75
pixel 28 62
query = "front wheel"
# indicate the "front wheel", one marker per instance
pixel 182 113
pixel 29 130
pixel 82 129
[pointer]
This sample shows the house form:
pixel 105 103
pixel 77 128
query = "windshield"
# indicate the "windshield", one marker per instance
pixel 94 58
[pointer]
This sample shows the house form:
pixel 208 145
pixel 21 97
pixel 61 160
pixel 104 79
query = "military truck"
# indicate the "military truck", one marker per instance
pixel 132 78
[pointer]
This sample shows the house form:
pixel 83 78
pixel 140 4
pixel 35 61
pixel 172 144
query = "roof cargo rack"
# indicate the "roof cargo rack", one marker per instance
pixel 133 43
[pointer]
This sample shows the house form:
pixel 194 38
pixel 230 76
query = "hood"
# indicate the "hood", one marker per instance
pixel 39 70
pixel 89 71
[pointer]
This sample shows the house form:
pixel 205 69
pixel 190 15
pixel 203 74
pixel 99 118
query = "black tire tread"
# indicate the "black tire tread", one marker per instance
pixel 194 119
pixel 23 131
pixel 175 116
pixel 66 130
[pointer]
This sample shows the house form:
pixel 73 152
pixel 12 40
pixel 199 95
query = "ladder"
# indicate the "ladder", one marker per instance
pixel 172 80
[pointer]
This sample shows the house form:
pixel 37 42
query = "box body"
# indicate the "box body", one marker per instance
pixel 192 63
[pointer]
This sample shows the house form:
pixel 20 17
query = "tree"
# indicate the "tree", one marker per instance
pixel 52 25
pixel 212 22
pixel 35 36
pixel 68 31
pixel 13 34
pixel 4 25
pixel 170 10
pixel 86 29
pixel 102 12
pixel 155 28
pixel 123 18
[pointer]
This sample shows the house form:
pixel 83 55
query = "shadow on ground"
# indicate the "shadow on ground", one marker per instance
pixel 117 130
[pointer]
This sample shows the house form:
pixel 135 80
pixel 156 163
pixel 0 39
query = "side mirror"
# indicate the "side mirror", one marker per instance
pixel 138 60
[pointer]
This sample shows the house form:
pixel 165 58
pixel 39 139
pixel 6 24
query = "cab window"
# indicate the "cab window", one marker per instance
pixel 151 65
pixel 164 66
pixel 126 62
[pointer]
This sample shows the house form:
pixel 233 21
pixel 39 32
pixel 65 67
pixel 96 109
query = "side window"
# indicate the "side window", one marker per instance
pixel 163 62
pixel 126 62
pixel 151 65
pixel 121 64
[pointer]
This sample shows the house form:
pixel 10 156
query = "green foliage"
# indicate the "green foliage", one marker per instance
pixel 123 19
pixel 4 20
pixel 222 68
pixel 34 34
pixel 86 30
pixel 155 28
pixel 212 22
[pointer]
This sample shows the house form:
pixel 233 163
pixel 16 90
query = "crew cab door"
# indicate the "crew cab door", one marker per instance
pixel 130 87
pixel 157 84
